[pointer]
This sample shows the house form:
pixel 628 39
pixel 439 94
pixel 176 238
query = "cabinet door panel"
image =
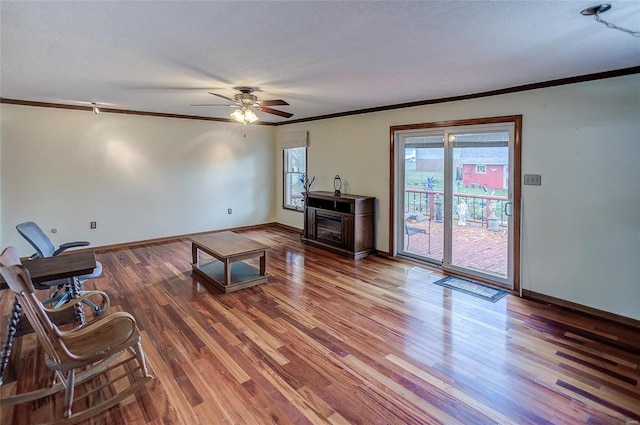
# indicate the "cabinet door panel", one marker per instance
pixel 347 232
pixel 311 223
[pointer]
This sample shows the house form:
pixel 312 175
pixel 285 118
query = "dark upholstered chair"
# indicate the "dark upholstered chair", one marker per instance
pixel 66 288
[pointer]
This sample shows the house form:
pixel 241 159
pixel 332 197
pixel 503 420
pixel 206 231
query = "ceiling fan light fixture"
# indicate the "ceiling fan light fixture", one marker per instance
pixel 246 105
pixel 244 115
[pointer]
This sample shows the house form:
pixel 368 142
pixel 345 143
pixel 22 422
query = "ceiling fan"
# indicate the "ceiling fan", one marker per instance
pixel 247 104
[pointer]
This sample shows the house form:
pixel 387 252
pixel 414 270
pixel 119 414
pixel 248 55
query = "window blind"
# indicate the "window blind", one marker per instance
pixel 298 139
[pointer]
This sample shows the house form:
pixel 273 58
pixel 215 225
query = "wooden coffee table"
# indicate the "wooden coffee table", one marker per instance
pixel 227 270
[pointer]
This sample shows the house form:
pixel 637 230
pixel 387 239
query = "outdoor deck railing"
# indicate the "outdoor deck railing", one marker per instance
pixel 430 203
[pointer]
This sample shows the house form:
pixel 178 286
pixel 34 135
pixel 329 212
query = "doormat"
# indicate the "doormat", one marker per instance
pixel 472 288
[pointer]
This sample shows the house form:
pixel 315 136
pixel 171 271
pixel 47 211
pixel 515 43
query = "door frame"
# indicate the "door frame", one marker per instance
pixel 516 120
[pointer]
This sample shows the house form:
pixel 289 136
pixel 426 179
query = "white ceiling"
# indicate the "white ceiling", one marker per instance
pixel 323 57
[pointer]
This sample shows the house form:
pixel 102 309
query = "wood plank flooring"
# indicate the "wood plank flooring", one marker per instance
pixel 332 340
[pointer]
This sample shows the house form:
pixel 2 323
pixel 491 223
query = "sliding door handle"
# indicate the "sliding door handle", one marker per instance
pixel 508 208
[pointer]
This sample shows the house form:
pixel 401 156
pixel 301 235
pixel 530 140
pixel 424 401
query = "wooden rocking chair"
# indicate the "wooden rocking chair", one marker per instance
pixel 105 354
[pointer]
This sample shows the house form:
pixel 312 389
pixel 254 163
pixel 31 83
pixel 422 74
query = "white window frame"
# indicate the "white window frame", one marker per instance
pixel 293 179
pixel 484 169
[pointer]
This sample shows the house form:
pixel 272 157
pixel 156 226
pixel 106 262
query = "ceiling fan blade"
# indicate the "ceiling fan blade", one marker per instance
pixel 276 112
pixel 224 97
pixel 272 102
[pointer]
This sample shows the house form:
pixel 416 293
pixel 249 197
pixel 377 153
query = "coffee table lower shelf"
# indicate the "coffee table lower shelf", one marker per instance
pixel 243 275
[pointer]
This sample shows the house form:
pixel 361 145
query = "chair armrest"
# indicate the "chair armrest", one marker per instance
pixel 105 302
pixel 68 245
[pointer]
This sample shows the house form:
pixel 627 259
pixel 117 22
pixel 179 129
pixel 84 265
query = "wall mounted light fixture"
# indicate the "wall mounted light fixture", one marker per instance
pixel 96 110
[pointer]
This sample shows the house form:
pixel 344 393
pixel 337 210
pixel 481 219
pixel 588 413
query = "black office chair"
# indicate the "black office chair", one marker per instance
pixel 67 289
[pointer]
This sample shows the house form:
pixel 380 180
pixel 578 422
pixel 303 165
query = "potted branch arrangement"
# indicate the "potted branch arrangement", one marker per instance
pixel 306 184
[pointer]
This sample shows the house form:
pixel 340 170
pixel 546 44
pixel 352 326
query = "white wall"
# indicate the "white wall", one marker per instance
pixel 138 177
pixel 144 177
pixel 580 229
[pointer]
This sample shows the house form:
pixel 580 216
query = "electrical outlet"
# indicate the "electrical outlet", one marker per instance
pixel 229 211
pixel 92 225
pixel 533 179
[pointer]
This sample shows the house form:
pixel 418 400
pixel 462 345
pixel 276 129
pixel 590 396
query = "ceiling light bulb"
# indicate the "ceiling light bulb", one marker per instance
pixel 244 116
pixel 250 116
pixel 238 115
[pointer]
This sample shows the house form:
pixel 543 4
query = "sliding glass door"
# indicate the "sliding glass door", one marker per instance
pixel 480 201
pixel 454 198
pixel 422 202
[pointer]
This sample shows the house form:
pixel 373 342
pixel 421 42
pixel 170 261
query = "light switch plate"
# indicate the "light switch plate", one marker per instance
pixel 533 179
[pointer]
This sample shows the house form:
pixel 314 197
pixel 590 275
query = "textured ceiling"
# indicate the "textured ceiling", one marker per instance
pixel 322 57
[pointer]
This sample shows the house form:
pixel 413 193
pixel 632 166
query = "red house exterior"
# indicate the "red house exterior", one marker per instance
pixel 494 176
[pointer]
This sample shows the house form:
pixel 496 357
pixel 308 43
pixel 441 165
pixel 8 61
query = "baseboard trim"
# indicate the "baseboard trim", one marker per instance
pixel 623 320
pixel 287 228
pixel 105 248
pixel 384 254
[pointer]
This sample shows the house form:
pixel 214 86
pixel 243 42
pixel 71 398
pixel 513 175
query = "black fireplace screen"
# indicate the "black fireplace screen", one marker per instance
pixel 328 228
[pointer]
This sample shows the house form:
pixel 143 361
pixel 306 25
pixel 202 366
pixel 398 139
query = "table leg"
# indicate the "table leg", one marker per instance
pixel 227 271
pixel 194 255
pixel 263 263
pixel 14 319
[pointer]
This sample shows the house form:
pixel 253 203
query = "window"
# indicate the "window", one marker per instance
pixel 294 168
pixel 295 172
pixel 481 169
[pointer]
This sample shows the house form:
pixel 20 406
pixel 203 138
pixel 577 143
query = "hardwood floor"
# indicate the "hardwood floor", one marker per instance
pixel 332 340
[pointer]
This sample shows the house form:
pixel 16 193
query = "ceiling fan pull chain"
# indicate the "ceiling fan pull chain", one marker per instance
pixel 597 17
